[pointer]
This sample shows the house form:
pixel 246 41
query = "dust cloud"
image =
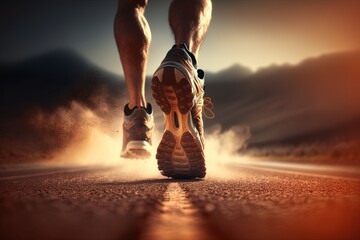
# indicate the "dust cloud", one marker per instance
pixel 94 141
pixel 222 147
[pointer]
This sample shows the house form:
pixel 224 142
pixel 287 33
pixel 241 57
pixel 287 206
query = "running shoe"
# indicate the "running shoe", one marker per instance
pixel 137 132
pixel 178 89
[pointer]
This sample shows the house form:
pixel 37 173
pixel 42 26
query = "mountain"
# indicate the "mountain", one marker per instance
pixel 50 80
pixel 288 102
pixel 232 73
pixel 307 110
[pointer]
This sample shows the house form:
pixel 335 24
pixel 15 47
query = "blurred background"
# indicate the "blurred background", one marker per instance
pixel 284 77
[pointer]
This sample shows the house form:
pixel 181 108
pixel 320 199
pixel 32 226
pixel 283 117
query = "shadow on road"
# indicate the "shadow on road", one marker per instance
pixel 148 181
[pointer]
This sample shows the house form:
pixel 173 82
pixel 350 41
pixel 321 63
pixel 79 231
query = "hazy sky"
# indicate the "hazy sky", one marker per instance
pixel 254 33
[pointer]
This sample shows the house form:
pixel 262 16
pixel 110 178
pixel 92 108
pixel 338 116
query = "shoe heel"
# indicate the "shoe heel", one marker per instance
pixel 185 163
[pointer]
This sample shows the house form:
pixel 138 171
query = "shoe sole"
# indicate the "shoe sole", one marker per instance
pixel 179 154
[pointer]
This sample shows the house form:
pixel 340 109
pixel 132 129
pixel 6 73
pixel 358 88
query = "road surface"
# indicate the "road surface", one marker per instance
pixel 246 202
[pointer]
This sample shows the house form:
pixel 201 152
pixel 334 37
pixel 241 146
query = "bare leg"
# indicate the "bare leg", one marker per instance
pixel 178 89
pixel 133 36
pixel 189 20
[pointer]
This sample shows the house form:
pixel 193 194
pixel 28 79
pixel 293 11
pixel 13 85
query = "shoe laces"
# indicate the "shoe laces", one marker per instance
pixel 208 106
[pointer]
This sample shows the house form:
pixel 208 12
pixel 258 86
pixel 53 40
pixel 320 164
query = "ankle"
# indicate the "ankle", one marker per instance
pixel 139 103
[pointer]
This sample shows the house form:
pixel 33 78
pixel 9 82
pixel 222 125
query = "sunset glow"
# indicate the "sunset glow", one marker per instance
pixel 255 34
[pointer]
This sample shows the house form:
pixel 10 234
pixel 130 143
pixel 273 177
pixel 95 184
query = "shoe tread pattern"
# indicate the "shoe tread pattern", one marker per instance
pixel 170 161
